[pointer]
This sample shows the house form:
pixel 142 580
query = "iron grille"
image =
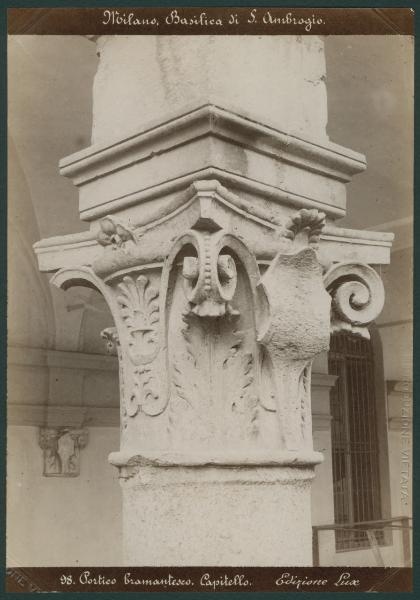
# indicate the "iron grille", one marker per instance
pixel 355 451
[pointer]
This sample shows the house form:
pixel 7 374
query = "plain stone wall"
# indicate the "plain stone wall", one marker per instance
pixel 53 521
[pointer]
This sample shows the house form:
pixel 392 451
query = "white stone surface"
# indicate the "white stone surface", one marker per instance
pixel 160 219
pixel 207 516
pixel 62 521
pixel 279 78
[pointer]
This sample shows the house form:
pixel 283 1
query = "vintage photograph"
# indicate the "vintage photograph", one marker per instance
pixel 210 300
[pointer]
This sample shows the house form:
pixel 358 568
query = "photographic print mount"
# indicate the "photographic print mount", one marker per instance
pixel 211 201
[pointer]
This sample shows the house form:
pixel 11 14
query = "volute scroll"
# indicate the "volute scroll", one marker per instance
pixel 358 296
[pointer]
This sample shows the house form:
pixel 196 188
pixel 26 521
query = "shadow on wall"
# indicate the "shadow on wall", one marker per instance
pixel 30 308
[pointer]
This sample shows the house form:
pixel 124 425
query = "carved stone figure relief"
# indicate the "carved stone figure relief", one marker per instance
pixel 61 448
pixel 113 233
pixel 110 335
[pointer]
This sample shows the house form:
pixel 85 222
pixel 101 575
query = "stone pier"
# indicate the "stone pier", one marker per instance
pixel 212 191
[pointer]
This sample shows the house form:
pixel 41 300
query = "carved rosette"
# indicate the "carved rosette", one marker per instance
pixel 61 446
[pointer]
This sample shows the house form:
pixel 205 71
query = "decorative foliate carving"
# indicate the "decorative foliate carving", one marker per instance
pixel 138 302
pixel 311 219
pixel 239 378
pixel 296 321
pixel 357 295
pixel 222 353
pixel 120 247
pixel 209 279
pixel 114 233
pixel 61 448
pixel 295 327
pixel 147 393
pixel 139 308
pixel 211 340
pixel 213 377
pixel 113 346
pixel 305 404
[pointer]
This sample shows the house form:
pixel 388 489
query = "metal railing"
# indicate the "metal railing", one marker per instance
pixel 370 528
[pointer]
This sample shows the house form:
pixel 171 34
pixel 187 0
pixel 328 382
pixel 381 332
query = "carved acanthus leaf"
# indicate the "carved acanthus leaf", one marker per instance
pixel 147 393
pixel 239 375
pixel 305 402
pixel 190 376
pixel 139 307
pixel 357 295
pixel 214 376
pixel 138 303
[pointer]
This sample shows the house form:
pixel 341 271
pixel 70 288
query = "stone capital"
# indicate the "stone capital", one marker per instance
pixel 216 345
pixel 61 446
